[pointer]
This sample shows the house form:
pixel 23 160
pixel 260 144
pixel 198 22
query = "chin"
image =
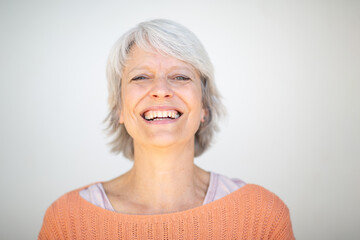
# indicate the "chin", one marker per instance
pixel 161 141
pixel 166 140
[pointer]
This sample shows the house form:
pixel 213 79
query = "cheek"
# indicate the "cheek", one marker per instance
pixel 130 97
pixel 197 95
pixel 194 100
pixel 125 105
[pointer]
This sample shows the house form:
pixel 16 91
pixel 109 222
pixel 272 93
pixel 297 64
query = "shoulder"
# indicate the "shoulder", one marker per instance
pixel 260 198
pixel 261 206
pixel 60 213
pixel 67 200
pixel 260 192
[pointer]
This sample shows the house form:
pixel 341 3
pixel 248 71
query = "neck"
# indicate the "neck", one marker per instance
pixel 164 180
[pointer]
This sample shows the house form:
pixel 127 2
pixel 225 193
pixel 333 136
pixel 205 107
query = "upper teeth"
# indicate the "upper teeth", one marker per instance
pixel 161 114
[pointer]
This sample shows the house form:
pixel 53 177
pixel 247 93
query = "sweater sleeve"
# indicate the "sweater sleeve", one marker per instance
pixel 49 229
pixel 282 224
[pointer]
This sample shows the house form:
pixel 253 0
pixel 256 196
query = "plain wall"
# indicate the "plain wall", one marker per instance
pixel 289 72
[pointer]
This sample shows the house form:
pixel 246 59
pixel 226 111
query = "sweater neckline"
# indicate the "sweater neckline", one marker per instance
pixel 209 196
pixel 133 217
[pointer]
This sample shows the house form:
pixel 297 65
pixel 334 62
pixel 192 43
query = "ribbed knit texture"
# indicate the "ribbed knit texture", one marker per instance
pixel 251 212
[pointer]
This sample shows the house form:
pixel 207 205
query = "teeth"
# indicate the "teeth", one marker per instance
pixel 156 115
pixel 148 116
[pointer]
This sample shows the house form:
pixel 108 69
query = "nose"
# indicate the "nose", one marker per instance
pixel 161 88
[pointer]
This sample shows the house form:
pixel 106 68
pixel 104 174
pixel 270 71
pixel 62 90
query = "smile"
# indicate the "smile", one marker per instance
pixel 161 115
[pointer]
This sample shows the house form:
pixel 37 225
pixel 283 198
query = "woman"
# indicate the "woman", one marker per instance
pixel 163 111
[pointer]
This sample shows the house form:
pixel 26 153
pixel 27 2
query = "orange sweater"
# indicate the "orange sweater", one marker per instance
pixel 250 212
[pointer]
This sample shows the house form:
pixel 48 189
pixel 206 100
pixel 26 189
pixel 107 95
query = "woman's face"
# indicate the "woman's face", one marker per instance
pixel 161 99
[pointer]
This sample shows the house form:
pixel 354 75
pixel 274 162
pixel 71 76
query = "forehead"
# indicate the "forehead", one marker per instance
pixel 140 58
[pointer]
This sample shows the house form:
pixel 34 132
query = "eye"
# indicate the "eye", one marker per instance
pixel 139 78
pixel 182 78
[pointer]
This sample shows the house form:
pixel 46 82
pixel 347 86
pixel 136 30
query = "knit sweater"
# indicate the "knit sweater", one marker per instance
pixel 250 212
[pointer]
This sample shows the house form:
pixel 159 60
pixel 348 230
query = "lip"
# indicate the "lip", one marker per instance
pixel 160 108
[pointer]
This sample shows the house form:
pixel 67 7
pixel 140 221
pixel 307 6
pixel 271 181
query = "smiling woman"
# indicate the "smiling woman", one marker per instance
pixel 164 40
pixel 164 108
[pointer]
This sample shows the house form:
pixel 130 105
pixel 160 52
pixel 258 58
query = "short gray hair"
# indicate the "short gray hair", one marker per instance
pixel 172 39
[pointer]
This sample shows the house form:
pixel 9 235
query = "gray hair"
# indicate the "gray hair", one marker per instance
pixel 172 39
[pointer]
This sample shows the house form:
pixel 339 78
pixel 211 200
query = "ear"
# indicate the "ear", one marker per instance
pixel 121 117
pixel 203 115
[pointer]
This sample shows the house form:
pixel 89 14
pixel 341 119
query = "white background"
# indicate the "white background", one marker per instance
pixel 289 72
